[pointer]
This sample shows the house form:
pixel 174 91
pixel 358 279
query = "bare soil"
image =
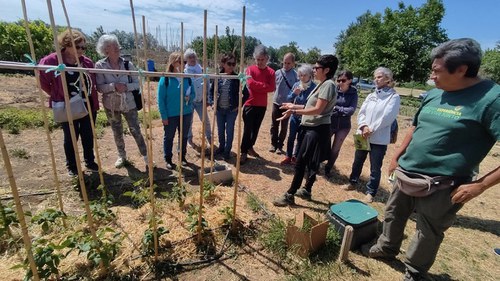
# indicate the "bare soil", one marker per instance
pixel 466 253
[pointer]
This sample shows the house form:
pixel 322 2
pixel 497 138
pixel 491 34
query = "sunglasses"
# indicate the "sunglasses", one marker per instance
pixel 231 63
pixel 318 67
pixel 341 80
pixel 83 48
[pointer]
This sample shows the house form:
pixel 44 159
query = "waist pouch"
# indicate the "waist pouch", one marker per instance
pixel 420 185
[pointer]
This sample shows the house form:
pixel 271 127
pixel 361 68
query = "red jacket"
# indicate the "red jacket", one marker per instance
pixel 262 82
pixel 53 85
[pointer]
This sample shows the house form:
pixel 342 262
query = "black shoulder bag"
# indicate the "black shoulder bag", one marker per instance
pixel 136 93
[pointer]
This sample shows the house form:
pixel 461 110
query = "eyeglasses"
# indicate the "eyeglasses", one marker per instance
pixel 83 48
pixel 318 67
pixel 341 80
pixel 231 63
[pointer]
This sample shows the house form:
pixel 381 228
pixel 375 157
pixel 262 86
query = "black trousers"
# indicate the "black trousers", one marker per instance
pixel 252 119
pixel 277 136
pixel 312 151
pixel 83 129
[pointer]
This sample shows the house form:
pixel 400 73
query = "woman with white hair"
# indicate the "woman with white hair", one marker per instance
pixel 375 117
pixel 117 97
pixel 298 95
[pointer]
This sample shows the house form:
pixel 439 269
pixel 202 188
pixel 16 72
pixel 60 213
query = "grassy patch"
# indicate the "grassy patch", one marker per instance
pixel 14 120
pixel 274 238
pixel 20 153
pixel 254 203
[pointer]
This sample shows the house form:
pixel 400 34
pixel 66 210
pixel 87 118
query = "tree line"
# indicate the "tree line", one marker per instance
pixel 399 39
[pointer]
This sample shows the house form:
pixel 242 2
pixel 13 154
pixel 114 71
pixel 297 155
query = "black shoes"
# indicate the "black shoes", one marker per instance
pixel 92 166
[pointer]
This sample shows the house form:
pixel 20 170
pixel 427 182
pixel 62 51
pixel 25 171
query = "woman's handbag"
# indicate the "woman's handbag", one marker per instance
pixel 136 93
pixel 77 107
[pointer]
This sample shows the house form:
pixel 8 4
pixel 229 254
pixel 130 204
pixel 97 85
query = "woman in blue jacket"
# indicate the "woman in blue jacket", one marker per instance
pixel 169 103
pixel 347 100
pixel 227 105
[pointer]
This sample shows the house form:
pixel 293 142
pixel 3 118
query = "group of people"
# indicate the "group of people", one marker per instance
pixel 434 164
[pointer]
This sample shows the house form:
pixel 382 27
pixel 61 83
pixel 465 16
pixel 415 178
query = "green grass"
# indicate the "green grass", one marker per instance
pixel 20 153
pixel 274 239
pixel 254 203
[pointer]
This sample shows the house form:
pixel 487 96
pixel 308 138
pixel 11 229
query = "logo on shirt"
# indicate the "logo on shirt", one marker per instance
pixel 454 113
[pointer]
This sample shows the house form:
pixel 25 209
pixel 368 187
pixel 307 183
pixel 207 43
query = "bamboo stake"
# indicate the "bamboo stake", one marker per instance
pixel 19 208
pixel 71 127
pixel 44 114
pixel 204 111
pixel 91 115
pixel 216 89
pixel 181 117
pixel 346 243
pixel 151 185
pixel 149 138
pixel 238 157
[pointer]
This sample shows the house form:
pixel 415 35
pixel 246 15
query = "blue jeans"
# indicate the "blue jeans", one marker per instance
pixel 377 154
pixel 198 107
pixel 293 134
pixel 168 137
pixel 226 119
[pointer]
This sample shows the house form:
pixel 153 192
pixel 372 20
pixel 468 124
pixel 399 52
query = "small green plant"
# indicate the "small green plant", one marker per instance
pixel 147 242
pixel 46 218
pixel 228 215
pixel 100 211
pixel 140 195
pixel 274 238
pixel 192 219
pixel 254 203
pixel 208 188
pixel 20 153
pixel 104 250
pixel 178 193
pixel 46 259
pixel 8 218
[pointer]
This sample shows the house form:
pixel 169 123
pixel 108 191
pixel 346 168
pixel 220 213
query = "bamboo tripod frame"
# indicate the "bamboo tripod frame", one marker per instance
pixel 146 122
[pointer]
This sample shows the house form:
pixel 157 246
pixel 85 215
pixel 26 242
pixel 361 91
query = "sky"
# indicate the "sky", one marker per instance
pixel 275 22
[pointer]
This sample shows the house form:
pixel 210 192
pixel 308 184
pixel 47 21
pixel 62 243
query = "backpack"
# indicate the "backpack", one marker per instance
pixel 136 93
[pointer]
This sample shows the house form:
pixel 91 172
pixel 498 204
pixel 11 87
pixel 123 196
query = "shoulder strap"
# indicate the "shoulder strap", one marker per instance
pixel 126 68
pixel 286 80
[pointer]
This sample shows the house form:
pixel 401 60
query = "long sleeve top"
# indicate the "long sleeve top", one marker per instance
pixel 111 99
pixel 53 85
pixel 344 108
pixel 261 83
pixel 282 89
pixel 169 100
pixel 378 111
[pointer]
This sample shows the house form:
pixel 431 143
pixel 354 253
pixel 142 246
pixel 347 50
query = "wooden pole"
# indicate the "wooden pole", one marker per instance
pixel 181 98
pixel 238 157
pixel 151 185
pixel 86 93
pixel 90 219
pixel 346 243
pixel 19 208
pixel 44 114
pixel 216 88
pixel 204 111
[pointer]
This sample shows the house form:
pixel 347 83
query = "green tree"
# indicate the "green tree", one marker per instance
pixel 399 39
pixel 491 64
pixel 312 55
pixel 14 41
pixel 293 48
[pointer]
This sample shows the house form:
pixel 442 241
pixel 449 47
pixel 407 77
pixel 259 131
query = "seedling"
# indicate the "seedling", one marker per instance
pixel 228 215
pixel 178 193
pixel 140 195
pixel 46 218
pixel 147 245
pixel 20 153
pixel 208 188
pixel 46 260
pixel 192 219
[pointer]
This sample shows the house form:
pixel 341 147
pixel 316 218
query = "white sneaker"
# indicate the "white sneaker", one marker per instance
pixel 120 162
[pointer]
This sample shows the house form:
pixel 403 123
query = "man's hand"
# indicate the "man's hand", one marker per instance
pixel 466 192
pixel 392 166
pixel 165 122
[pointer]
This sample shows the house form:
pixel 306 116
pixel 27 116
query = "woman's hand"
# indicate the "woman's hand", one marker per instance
pixel 120 87
pixel 286 115
pixel 287 105
pixel 297 91
pixel 165 122
pixel 366 132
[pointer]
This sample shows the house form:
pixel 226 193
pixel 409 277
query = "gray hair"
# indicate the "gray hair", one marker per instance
pixel 457 52
pixel 104 41
pixel 260 50
pixel 387 73
pixel 189 53
pixel 305 69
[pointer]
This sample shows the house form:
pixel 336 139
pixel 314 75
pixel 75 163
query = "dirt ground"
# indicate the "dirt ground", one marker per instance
pixel 466 253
